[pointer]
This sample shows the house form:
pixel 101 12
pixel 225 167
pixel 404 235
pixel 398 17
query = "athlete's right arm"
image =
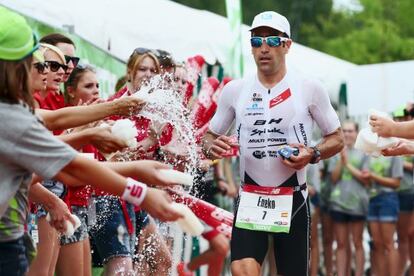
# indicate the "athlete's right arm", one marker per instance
pixel 215 143
pixel 73 116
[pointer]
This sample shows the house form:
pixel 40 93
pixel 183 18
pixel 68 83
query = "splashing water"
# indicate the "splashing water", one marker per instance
pixel 164 106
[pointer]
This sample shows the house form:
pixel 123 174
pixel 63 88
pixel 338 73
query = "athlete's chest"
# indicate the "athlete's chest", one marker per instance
pixel 270 115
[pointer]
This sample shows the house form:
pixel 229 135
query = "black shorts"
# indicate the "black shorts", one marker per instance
pixel 342 217
pixel 291 249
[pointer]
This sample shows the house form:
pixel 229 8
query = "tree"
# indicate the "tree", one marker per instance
pixel 381 32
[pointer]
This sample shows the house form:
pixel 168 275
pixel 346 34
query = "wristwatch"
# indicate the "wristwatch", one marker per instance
pixel 316 156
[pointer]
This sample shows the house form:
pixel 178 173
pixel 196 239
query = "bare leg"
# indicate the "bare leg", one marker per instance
pixel 328 237
pixel 357 229
pixel 342 240
pixel 391 253
pixel 403 243
pixel 74 259
pixel 119 266
pixel 214 256
pixel 71 260
pixel 154 250
pixel 378 252
pixel 245 267
pixel 47 250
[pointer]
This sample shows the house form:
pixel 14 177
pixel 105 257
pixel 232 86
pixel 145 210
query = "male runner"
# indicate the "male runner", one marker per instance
pixel 273 109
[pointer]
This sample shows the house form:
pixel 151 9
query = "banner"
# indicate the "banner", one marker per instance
pixel 235 56
pixel 108 68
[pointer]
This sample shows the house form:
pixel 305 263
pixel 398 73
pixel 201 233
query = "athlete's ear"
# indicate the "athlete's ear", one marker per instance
pixel 287 45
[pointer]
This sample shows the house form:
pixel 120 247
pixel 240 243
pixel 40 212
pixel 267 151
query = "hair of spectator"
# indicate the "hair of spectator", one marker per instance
pixel 74 79
pixel 15 82
pixel 56 38
pixel 135 60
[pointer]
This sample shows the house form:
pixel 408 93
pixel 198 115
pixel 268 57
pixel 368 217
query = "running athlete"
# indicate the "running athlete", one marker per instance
pixel 273 109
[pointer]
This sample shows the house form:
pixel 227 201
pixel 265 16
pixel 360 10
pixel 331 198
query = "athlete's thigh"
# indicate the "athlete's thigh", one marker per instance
pixel 248 244
pixel 292 249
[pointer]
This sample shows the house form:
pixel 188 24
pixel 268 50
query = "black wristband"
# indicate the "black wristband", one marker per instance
pixel 316 156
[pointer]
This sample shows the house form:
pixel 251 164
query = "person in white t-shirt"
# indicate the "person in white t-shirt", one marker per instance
pixel 274 109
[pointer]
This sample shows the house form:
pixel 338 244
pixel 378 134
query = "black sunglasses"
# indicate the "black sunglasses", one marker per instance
pixel 40 67
pixel 55 66
pixel 75 60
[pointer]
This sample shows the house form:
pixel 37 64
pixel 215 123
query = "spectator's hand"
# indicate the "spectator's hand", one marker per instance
pixel 147 171
pixel 311 190
pixel 384 127
pixel 226 189
pixel 158 204
pixel 403 147
pixel 59 213
pixel 220 146
pixel 366 174
pixel 344 156
pixel 300 161
pixel 105 141
pixel 128 106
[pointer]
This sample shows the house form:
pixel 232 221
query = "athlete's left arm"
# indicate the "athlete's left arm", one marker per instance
pixel 330 145
pixel 326 118
pixel 322 112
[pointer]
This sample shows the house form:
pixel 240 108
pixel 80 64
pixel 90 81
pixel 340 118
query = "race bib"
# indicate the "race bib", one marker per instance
pixel 266 209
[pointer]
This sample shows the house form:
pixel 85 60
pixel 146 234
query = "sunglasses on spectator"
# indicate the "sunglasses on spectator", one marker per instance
pixel 272 41
pixel 75 60
pixel 55 66
pixel 40 67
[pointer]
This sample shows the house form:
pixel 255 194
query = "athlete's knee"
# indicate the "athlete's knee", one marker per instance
pixel 245 267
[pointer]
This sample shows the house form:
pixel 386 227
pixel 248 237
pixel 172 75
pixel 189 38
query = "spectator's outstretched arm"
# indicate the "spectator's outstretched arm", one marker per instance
pixel 386 127
pixel 83 170
pixel 403 147
pixel 73 116
pixel 100 137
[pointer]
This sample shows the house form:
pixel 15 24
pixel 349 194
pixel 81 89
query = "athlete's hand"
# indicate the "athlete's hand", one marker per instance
pixel 403 147
pixel 301 160
pixel 382 126
pixel 158 204
pixel 219 146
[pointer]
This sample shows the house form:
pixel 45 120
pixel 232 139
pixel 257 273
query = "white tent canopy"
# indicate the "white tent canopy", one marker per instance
pixel 122 25
pixel 384 86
